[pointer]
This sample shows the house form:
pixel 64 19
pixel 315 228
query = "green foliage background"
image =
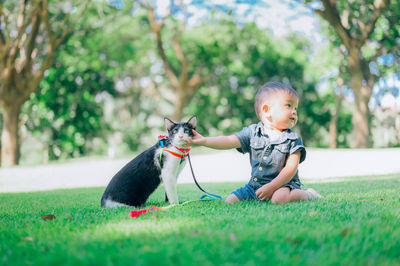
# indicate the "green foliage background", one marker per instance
pixel 107 91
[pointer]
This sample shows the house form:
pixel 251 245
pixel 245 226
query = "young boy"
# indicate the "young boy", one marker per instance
pixel 275 150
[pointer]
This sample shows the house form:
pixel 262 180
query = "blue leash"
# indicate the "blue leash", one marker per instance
pixel 209 195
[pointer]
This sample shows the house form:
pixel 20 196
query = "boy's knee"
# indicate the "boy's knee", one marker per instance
pixel 281 196
pixel 279 200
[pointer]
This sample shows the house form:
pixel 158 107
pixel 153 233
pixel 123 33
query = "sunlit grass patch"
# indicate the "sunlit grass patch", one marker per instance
pixel 355 224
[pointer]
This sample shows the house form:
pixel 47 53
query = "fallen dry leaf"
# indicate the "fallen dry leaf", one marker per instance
pixel 69 216
pixel 345 232
pixel 294 241
pixel 48 217
pixel 27 238
pixel 313 213
pixel 381 199
pixel 363 200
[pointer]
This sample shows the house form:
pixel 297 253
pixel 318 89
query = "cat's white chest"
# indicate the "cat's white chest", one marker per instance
pixel 172 165
pixel 170 170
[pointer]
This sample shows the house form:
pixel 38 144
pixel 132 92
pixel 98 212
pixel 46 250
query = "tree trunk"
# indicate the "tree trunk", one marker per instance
pixel 9 135
pixel 359 84
pixel 179 104
pixel 333 127
pixel 333 132
pixel 360 120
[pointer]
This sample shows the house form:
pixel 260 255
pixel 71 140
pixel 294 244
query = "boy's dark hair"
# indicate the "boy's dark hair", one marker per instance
pixel 267 90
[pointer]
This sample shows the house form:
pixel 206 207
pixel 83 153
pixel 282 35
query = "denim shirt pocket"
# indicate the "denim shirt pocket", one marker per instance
pixel 280 154
pixel 257 148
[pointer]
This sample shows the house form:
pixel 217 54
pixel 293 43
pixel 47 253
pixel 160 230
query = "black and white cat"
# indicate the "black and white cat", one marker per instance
pixel 134 183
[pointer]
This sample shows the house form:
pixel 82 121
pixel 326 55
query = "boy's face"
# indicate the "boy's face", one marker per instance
pixel 281 111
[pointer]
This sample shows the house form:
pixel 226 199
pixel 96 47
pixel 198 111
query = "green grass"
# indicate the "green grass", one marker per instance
pixel 357 223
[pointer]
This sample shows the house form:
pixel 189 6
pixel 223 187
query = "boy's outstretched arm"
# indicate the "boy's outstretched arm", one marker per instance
pixel 219 143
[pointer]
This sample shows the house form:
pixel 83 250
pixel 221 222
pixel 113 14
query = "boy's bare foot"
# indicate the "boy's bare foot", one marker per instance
pixel 313 194
pixel 232 199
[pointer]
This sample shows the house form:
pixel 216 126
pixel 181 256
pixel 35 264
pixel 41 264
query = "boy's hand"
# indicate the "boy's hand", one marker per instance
pixel 197 139
pixel 265 192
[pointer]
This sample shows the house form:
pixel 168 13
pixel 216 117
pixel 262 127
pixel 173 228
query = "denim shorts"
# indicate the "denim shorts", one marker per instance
pixel 248 192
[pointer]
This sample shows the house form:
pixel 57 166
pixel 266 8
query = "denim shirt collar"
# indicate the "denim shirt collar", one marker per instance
pixel 285 135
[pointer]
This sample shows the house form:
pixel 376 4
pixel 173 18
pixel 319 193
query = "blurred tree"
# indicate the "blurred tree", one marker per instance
pixel 238 60
pixel 386 126
pixel 365 31
pixel 95 68
pixel 334 112
pixel 327 69
pixel 135 68
pixel 105 61
pixel 65 119
pixel 182 77
pixel 235 58
pixel 30 34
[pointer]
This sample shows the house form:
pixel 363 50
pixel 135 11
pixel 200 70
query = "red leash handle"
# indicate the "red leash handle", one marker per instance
pixel 134 214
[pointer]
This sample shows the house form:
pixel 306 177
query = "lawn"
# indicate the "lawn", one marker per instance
pixel 357 223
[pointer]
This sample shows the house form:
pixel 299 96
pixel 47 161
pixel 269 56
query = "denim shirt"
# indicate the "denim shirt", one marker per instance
pixel 267 158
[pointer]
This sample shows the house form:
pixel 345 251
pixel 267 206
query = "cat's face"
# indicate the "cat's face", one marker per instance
pixel 178 132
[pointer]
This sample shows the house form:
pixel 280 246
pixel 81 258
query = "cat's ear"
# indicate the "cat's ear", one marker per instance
pixel 168 123
pixel 193 121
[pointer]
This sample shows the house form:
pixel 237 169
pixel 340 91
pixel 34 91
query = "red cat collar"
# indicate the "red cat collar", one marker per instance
pixel 183 150
pixel 182 156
